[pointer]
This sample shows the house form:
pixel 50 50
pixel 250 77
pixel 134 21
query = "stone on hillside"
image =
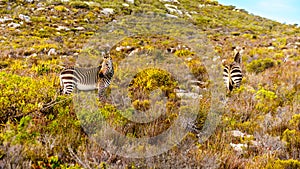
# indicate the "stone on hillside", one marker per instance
pixel 64 28
pixel 29 1
pixel 13 25
pixel 80 28
pixel 108 11
pixel 24 18
pixel 130 1
pixel 171 16
pixel 5 19
pixel 40 9
pixel 173 9
pixel 170 1
pixel 52 51
pixel 125 5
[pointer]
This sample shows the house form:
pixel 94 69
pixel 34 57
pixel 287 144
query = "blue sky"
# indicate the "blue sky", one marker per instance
pixel 285 11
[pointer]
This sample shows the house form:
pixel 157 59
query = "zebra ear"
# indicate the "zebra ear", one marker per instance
pixel 224 62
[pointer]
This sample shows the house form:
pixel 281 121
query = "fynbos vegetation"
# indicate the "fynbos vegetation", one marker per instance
pixel 260 125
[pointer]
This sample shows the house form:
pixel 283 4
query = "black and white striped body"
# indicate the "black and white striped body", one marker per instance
pixel 232 74
pixel 80 78
pixel 87 78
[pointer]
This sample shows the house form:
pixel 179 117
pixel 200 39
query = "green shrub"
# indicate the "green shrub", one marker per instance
pixel 283 164
pixel 22 95
pixel 292 139
pixel 267 101
pixel 260 65
pixel 79 4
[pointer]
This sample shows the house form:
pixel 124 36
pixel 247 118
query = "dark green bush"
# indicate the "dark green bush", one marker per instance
pixel 260 65
pixel 283 164
pixel 22 95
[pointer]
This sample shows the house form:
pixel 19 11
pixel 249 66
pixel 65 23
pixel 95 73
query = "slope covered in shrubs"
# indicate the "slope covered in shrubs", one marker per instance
pixel 40 129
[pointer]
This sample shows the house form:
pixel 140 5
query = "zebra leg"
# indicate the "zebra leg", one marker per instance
pixel 101 94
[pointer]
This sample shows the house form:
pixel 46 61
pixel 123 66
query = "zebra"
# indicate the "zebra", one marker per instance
pixel 88 78
pixel 232 74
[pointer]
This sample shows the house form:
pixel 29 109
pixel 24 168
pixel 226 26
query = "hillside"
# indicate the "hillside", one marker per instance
pixel 258 127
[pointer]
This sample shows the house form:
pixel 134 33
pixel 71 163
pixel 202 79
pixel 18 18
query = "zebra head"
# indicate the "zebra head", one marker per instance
pixel 237 54
pixel 107 66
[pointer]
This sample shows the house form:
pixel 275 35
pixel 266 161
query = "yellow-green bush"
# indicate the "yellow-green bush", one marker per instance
pixel 267 101
pixel 283 164
pixel 260 65
pixel 292 139
pixel 295 122
pixel 22 95
pixel 150 80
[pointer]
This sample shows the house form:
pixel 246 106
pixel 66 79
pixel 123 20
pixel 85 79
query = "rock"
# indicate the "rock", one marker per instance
pixel 170 1
pixel 238 133
pixel 201 5
pixel 13 25
pixel 239 147
pixel 29 1
pixel 108 11
pixel 188 15
pixel 80 28
pixel 125 5
pixel 40 9
pixel 130 1
pixel 171 16
pixel 5 19
pixel 40 4
pixel 173 9
pixel 52 51
pixel 60 28
pixel 24 18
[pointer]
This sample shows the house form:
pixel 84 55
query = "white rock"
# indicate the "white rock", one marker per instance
pixel 171 16
pixel 126 5
pixel 190 95
pixel 59 28
pixel 130 1
pixel 40 5
pixel 237 133
pixel 238 147
pixel 13 25
pixel 173 9
pixel 201 5
pixel 80 28
pixel 108 11
pixel 52 51
pixel 40 9
pixel 29 1
pixel 24 18
pixel 170 1
pixel 5 19
pixel 188 15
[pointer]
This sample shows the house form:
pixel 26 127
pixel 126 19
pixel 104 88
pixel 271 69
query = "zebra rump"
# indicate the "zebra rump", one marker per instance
pixel 232 74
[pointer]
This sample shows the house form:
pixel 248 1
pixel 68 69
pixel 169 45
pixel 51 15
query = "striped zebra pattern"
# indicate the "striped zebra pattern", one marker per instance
pixel 232 74
pixel 87 78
